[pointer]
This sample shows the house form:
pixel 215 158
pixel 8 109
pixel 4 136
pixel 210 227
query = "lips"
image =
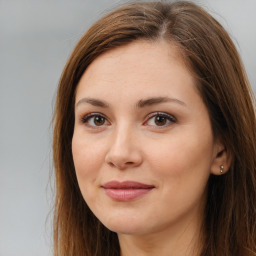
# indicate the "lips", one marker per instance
pixel 127 190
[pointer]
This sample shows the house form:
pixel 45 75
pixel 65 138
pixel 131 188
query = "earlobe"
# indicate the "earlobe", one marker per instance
pixel 221 160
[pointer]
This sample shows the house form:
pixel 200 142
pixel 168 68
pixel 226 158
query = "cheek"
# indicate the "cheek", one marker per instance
pixel 181 167
pixel 182 155
pixel 87 158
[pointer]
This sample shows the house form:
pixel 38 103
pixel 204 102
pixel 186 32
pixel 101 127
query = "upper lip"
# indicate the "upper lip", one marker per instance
pixel 126 185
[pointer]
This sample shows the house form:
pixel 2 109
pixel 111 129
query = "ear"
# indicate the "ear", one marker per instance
pixel 221 159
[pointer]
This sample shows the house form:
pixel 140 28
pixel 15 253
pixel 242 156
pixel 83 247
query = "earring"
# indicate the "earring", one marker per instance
pixel 221 169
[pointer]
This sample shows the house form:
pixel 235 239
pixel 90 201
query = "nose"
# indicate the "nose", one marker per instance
pixel 124 151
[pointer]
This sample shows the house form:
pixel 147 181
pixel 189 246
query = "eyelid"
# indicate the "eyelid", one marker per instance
pixel 170 118
pixel 85 118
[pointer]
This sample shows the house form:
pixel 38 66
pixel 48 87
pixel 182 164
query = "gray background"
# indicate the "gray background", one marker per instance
pixel 36 37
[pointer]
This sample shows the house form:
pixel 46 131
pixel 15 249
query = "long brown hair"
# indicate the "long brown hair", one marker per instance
pixel 230 214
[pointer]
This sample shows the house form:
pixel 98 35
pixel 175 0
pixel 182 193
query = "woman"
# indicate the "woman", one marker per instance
pixel 155 139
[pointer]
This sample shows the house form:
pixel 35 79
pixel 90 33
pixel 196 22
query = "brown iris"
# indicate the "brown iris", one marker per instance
pixel 99 120
pixel 160 120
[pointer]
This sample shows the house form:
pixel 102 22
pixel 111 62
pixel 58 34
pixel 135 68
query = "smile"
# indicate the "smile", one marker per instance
pixel 127 190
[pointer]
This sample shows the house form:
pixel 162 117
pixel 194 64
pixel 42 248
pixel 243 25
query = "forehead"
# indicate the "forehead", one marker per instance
pixel 137 52
pixel 141 67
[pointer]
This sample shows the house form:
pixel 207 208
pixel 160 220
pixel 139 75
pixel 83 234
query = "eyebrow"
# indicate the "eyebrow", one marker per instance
pixel 94 102
pixel 141 103
pixel 157 100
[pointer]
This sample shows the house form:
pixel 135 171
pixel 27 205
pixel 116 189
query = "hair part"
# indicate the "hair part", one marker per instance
pixel 230 216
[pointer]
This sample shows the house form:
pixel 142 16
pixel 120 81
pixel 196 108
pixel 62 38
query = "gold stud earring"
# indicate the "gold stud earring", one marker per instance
pixel 221 169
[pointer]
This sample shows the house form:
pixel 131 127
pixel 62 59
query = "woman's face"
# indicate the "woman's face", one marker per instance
pixel 143 147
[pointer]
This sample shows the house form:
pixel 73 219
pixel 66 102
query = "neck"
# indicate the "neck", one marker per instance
pixel 185 240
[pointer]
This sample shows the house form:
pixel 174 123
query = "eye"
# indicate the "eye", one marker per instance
pixel 160 119
pixel 95 120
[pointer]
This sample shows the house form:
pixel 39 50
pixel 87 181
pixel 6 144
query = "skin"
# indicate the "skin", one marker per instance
pixel 176 156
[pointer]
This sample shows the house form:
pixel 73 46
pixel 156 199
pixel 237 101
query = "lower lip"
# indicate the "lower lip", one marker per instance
pixel 126 194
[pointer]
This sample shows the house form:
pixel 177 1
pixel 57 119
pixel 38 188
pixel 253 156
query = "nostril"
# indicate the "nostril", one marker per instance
pixel 111 164
pixel 123 159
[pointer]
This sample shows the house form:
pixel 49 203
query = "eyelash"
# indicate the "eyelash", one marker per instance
pixel 90 116
pixel 167 117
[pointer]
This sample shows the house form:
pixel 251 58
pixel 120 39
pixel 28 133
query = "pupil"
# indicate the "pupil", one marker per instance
pixel 99 120
pixel 160 120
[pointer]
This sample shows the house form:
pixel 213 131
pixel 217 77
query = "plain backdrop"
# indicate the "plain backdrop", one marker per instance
pixel 36 38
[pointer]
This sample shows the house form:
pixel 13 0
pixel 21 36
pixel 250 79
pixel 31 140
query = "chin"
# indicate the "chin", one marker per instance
pixel 126 229
pixel 124 225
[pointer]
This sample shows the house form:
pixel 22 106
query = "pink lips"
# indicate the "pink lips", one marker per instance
pixel 127 190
